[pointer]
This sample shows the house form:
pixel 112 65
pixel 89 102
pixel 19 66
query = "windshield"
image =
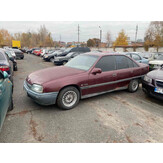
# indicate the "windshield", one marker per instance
pixel 9 54
pixel 2 56
pixel 160 57
pixel 83 62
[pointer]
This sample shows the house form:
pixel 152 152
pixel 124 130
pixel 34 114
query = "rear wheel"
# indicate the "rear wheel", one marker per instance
pixel 68 98
pixel 133 85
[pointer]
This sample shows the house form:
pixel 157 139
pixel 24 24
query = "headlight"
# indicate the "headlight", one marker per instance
pixel 37 88
pixel 46 56
pixel 147 79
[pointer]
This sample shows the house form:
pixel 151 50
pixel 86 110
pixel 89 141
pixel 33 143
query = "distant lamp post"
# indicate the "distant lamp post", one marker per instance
pixel 100 35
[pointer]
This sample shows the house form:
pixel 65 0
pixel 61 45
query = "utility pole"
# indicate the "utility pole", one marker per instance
pixel 136 33
pixel 78 33
pixel 100 34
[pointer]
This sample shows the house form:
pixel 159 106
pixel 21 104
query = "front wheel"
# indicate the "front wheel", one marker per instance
pixel 133 85
pixel 68 98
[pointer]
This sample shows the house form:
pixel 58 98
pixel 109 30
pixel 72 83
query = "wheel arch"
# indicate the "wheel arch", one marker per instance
pixel 71 85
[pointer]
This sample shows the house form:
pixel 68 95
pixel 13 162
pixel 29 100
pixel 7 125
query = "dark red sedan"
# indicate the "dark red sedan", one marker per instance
pixel 84 76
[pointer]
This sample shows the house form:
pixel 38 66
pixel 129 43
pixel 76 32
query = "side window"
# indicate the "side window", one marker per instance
pixel 136 57
pixel 130 63
pixel 122 62
pixel 106 63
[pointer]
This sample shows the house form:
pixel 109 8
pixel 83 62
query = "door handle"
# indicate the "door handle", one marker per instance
pixel 114 75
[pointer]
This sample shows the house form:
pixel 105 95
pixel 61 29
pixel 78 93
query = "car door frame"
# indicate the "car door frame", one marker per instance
pixel 95 87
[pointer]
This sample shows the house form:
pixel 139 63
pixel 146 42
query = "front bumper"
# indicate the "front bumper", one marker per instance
pixel 149 89
pixel 41 98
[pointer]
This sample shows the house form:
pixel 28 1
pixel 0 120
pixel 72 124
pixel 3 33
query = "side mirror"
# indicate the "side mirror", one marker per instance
pixel 5 74
pixel 96 71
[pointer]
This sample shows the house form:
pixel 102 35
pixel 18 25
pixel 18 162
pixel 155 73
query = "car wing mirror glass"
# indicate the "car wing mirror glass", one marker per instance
pixel 96 71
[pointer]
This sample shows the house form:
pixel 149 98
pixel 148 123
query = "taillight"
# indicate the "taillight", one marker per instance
pixel 4 68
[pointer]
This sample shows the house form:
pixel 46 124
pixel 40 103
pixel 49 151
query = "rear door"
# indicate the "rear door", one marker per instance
pixel 126 70
pixel 4 98
pixel 104 81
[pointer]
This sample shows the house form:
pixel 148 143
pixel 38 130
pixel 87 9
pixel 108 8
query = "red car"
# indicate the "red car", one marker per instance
pixel 37 52
pixel 86 75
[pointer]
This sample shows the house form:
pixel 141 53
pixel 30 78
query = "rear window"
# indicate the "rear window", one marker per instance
pixel 2 56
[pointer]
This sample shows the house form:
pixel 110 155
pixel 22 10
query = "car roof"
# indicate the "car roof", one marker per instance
pixel 102 53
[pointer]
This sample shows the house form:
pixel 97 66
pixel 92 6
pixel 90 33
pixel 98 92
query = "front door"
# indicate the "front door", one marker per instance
pixel 104 81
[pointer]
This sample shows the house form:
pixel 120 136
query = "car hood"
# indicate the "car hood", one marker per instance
pixel 156 74
pixel 159 62
pixel 50 74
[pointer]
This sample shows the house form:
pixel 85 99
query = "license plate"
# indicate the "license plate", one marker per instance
pixel 158 90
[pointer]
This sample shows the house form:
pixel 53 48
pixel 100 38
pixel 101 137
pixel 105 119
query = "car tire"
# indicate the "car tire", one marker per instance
pixel 11 107
pixel 51 59
pixel 133 85
pixel 68 98
pixel 15 68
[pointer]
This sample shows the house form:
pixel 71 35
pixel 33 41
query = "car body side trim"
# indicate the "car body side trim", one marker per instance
pixel 108 83
pixel 99 93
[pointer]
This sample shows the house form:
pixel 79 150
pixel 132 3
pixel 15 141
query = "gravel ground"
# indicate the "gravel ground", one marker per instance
pixel 113 118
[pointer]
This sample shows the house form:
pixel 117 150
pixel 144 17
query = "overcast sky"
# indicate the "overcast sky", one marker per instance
pixel 88 29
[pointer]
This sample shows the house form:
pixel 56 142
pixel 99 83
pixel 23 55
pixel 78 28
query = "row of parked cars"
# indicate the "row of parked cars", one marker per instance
pixel 87 74
pixel 8 64
pixel 84 74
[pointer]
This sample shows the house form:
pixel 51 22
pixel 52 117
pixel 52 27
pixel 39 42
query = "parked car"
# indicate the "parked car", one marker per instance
pixel 12 52
pixel 37 52
pixel 64 59
pixel 84 76
pixel 6 64
pixel 150 56
pixel 44 51
pixel 156 64
pixel 63 52
pixel 152 83
pixel 19 54
pixel 75 49
pixel 8 53
pixel 137 57
pixel 50 56
pixel 30 51
pixel 6 101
